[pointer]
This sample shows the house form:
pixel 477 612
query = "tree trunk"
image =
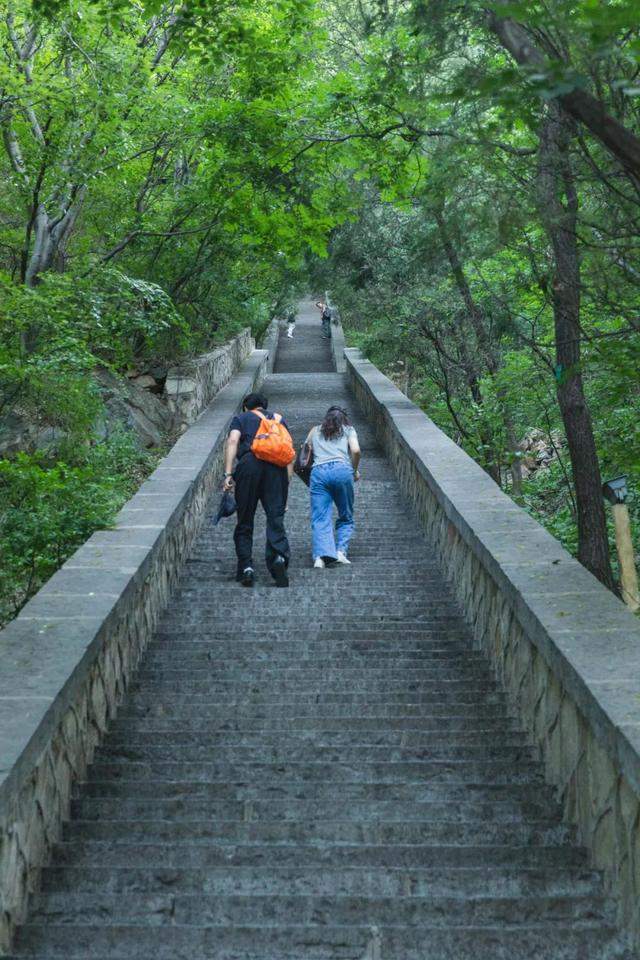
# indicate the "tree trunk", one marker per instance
pixel 515 465
pixel 38 258
pixel 51 239
pixel 558 206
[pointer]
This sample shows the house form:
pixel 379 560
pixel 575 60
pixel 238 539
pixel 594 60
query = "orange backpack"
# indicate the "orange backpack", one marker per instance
pixel 273 443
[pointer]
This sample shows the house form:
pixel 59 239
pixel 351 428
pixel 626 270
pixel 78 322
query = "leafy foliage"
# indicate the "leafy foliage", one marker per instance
pixel 153 204
pixel 48 509
pixel 448 278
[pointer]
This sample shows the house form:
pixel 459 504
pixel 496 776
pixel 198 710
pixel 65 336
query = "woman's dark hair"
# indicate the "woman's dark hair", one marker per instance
pixel 335 420
pixel 254 400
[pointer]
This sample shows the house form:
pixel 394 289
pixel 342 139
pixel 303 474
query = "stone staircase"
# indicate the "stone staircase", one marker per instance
pixel 320 773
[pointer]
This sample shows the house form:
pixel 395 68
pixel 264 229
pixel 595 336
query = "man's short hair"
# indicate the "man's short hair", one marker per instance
pixel 253 400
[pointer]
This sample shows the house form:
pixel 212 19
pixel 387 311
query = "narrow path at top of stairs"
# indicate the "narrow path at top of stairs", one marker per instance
pixel 306 351
pixel 319 773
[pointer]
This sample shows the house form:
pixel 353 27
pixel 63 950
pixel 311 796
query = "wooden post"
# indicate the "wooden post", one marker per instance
pixel 624 544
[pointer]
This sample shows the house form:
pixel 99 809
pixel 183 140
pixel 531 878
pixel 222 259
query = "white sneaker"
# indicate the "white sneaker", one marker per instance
pixel 342 557
pixel 318 564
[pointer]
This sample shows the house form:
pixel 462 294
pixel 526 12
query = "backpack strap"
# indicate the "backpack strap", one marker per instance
pixel 277 416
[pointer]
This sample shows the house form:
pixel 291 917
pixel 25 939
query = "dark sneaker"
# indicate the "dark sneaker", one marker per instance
pixel 248 577
pixel 279 572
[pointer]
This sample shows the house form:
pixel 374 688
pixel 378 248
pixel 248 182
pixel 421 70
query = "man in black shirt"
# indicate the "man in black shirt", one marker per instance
pixel 256 481
pixel 325 316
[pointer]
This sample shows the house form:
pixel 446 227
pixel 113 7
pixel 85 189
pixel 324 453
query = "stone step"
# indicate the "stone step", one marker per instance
pixel 334 676
pixel 395 548
pixel 287 697
pixel 206 569
pixel 307 753
pixel 372 529
pixel 331 772
pixel 404 577
pixel 415 639
pixel 351 625
pixel 284 686
pixel 333 582
pixel 426 629
pixel 508 880
pixel 187 662
pixel 252 661
pixel 374 557
pixel 543 833
pixel 423 598
pixel 374 523
pixel 517 787
pixel 370 628
pixel 154 742
pixel 494 723
pixel 314 674
pixel 365 576
pixel 419 597
pixel 169 908
pixel 322 942
pixel 148 702
pixel 180 810
pixel 215 854
pixel 223 655
pixel 259 614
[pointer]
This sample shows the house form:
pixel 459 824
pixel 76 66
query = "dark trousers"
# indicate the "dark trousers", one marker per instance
pixel 326 325
pixel 260 482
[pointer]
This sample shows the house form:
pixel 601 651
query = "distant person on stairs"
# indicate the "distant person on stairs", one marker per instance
pixel 257 481
pixel 291 324
pixel 336 458
pixel 325 316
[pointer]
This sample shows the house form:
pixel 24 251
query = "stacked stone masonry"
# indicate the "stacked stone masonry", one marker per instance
pixel 190 387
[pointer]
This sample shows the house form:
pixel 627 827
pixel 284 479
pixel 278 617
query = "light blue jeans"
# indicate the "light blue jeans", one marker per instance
pixel 331 483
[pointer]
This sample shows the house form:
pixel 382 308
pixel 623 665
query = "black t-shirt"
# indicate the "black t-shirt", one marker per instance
pixel 248 423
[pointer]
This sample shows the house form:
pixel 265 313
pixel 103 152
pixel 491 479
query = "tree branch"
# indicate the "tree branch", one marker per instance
pixel 579 104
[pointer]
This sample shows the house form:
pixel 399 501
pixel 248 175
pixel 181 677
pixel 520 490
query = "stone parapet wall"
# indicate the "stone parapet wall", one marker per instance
pixel 68 658
pixel 566 650
pixel 338 343
pixel 269 342
pixel 337 336
pixel 190 387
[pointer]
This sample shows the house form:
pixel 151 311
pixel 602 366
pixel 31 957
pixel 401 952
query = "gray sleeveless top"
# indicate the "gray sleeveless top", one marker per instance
pixel 325 451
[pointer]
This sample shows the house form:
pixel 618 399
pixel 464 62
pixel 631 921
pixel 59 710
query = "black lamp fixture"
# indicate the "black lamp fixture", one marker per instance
pixel 615 491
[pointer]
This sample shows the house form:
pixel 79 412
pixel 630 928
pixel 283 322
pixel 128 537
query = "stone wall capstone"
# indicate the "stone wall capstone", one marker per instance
pixel 66 661
pixel 337 337
pixel 565 648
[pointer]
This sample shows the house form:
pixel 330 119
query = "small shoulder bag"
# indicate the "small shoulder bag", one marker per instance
pixel 304 462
